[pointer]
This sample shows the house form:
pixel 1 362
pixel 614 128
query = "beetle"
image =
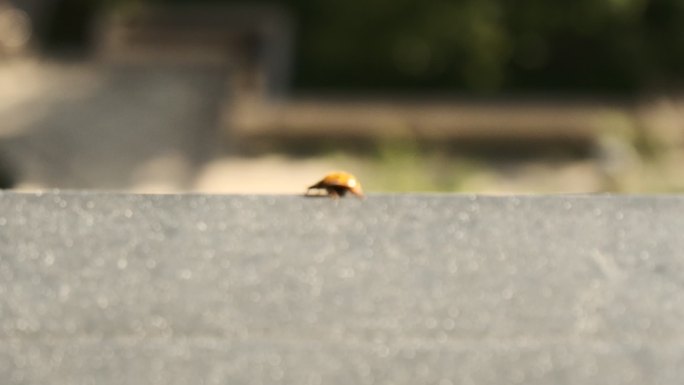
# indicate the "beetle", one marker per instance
pixel 337 184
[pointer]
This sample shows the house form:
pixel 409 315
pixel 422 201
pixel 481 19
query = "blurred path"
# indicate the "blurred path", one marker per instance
pixel 77 125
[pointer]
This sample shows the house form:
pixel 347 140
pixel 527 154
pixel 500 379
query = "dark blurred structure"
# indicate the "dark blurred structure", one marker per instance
pixel 488 46
pixel 254 41
pixel 467 45
pixel 459 46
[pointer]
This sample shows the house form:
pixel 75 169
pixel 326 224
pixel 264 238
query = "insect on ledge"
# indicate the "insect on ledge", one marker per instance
pixel 337 184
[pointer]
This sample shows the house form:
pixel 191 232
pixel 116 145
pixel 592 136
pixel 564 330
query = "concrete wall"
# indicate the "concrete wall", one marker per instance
pixel 102 288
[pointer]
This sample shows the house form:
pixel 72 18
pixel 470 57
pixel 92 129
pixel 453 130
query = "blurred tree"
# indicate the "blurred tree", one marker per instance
pixel 492 45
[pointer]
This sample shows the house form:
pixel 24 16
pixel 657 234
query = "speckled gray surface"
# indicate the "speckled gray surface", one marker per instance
pixel 433 289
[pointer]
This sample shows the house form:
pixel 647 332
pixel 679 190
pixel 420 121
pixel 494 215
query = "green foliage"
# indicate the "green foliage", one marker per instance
pixel 401 165
pixel 491 45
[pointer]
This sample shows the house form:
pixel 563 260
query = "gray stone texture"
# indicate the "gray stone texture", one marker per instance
pixel 99 288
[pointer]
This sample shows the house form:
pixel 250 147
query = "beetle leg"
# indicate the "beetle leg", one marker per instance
pixel 332 192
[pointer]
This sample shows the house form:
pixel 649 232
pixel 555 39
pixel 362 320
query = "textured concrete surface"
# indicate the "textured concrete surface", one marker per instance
pixel 432 289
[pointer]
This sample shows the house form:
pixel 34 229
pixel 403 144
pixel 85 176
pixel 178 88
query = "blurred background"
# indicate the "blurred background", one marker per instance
pixel 485 96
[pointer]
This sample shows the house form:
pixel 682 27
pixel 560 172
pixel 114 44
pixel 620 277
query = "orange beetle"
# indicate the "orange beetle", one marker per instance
pixel 337 184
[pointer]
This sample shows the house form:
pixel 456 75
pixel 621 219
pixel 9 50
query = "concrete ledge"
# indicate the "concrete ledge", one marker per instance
pixel 403 289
